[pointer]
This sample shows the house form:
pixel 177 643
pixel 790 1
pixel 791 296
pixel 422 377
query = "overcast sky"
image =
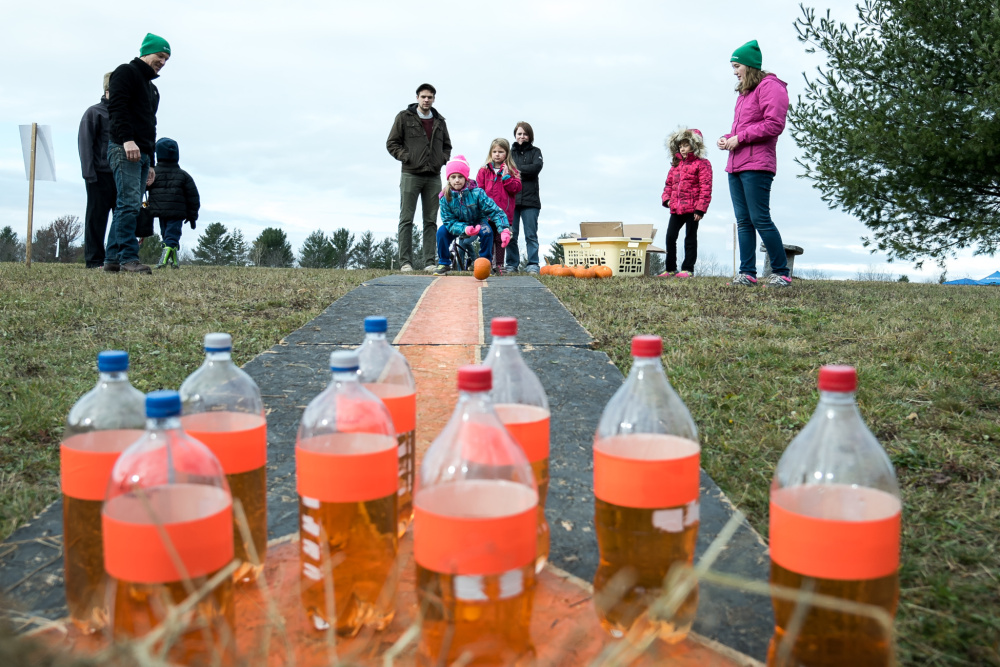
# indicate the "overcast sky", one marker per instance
pixel 281 109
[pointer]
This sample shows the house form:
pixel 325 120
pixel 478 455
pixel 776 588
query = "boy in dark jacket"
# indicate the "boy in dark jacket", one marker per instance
pixel 173 198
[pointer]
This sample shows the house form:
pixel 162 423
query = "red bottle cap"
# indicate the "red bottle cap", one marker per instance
pixel 647 346
pixel 838 378
pixel 503 326
pixel 475 378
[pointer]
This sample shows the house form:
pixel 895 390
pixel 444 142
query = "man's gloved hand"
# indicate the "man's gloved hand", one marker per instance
pixel 504 238
pixel 472 230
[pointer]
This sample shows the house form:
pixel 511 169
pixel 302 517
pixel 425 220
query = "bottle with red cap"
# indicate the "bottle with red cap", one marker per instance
pixel 386 373
pixel 646 487
pixel 167 523
pixel 835 530
pixel 523 407
pixel 223 409
pixel 475 536
pixel 100 426
pixel 347 473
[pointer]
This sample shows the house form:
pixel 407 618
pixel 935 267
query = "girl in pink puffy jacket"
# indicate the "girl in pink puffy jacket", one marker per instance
pixel 501 180
pixel 687 194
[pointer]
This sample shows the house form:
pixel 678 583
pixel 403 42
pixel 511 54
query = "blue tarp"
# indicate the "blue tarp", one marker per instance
pixel 962 281
pixel 992 279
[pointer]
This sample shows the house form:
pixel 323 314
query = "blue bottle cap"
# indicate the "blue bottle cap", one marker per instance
pixel 344 361
pixel 218 342
pixel 163 403
pixel 376 324
pixel 112 361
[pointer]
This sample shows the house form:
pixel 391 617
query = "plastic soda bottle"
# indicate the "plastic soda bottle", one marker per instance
pixel 223 409
pixel 167 523
pixel 347 473
pixel 835 530
pixel 386 373
pixel 102 424
pixel 522 406
pixel 475 537
pixel 646 488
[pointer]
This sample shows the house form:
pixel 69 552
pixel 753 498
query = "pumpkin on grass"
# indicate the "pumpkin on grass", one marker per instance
pixel 603 271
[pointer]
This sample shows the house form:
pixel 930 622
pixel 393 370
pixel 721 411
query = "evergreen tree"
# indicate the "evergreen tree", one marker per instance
pixel 343 248
pixel 241 251
pixel 11 247
pixel 151 249
pixel 272 248
pixel 899 127
pixel 316 252
pixel 215 246
pixel 385 255
pixel 365 251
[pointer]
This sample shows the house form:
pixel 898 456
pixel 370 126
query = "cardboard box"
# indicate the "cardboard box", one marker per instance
pixel 639 231
pixel 601 229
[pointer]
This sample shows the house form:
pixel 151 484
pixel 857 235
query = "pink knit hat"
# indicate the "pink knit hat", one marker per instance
pixel 698 132
pixel 457 165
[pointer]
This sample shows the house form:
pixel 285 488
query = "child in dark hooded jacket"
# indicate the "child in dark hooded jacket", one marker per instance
pixel 173 198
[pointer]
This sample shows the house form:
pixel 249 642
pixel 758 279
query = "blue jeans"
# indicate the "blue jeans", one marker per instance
pixel 530 218
pixel 444 239
pixel 170 230
pixel 130 180
pixel 751 195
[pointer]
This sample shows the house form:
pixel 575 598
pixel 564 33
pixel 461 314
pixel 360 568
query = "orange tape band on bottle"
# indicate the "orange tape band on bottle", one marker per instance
pixel 483 546
pixel 833 548
pixel 402 404
pixel 86 460
pixel 136 552
pixel 238 439
pixel 647 483
pixel 347 478
pixel 532 434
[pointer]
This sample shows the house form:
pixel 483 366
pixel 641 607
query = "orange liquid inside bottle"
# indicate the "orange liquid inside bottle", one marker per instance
pixel 831 638
pixel 529 426
pixel 402 404
pixel 239 441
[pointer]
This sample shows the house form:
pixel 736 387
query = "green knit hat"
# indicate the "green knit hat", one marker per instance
pixel 153 44
pixel 748 54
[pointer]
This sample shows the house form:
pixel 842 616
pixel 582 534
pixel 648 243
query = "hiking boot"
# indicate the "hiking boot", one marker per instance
pixel 111 267
pixel 745 280
pixel 135 266
pixel 442 270
pixel 406 268
pixel 774 280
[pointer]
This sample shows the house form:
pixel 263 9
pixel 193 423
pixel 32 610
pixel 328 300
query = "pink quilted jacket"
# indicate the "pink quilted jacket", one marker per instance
pixel 689 185
pixel 500 189
pixel 759 119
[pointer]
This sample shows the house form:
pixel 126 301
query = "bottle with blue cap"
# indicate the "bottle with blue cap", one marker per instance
pixel 100 426
pixel 347 474
pixel 223 409
pixel 386 373
pixel 167 531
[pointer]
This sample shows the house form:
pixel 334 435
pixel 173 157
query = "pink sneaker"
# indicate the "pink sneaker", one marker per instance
pixel 684 274
pixel 665 274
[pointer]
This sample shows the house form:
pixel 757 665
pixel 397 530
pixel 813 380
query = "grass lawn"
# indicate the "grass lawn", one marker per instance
pixel 746 360
pixel 54 319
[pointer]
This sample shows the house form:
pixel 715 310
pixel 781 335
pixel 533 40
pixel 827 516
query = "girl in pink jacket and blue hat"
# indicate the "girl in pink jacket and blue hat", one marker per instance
pixel 761 108
pixel 687 194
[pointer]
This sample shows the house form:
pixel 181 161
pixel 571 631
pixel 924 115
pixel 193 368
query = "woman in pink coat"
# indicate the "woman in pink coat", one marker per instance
pixel 501 180
pixel 687 194
pixel 760 117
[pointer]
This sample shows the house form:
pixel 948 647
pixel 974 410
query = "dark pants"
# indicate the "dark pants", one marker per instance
pixel 426 187
pixel 444 239
pixel 530 218
pixel 690 241
pixel 170 231
pixel 751 195
pixel 101 196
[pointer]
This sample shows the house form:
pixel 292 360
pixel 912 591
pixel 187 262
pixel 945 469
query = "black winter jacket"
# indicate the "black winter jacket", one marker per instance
pixel 173 194
pixel 529 162
pixel 408 142
pixel 133 105
pixel 93 141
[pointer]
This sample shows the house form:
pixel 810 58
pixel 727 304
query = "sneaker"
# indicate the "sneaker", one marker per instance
pixel 441 269
pixel 684 274
pixel 774 280
pixel 665 274
pixel 532 269
pixel 111 267
pixel 745 280
pixel 406 268
pixel 430 268
pixel 135 266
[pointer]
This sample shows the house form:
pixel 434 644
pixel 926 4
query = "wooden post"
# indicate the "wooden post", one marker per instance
pixel 31 194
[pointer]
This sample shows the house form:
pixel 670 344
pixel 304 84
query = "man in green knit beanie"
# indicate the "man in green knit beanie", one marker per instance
pixel 748 54
pixel 132 109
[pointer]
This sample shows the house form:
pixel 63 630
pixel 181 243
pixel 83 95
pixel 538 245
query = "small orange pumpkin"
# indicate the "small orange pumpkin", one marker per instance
pixel 545 270
pixel 564 271
pixel 603 271
pixel 482 268
pixel 587 273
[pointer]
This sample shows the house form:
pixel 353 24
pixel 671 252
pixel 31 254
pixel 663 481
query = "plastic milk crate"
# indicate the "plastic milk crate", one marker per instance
pixel 625 256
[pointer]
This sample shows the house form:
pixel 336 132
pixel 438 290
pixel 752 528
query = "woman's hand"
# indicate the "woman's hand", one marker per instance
pixel 732 142
pixel 721 143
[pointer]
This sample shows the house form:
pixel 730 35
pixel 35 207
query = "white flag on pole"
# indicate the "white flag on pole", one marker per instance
pixel 45 157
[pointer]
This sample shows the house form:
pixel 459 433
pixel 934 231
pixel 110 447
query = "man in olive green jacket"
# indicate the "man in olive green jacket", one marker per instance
pixel 419 139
